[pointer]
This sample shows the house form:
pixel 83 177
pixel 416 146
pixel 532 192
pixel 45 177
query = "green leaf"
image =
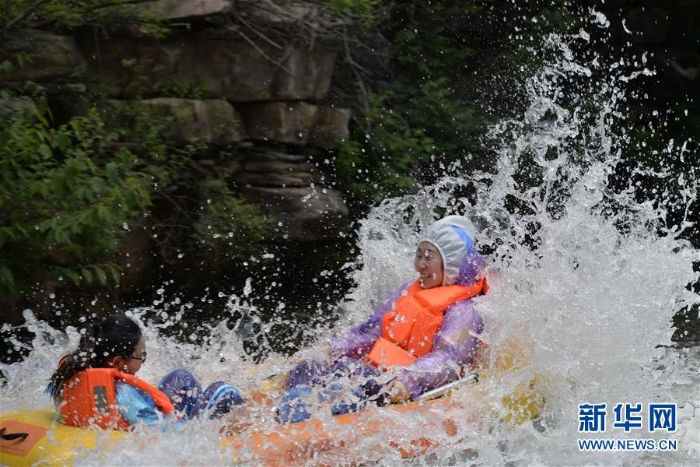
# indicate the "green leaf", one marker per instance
pixel 116 273
pixel 8 67
pixel 45 151
pixel 75 124
pixel 7 234
pixel 63 141
pixel 4 138
pixel 112 173
pixel 101 275
pixel 43 190
pixel 43 106
pixel 46 225
pixel 6 277
pixel 86 274
pixel 74 276
pixel 97 184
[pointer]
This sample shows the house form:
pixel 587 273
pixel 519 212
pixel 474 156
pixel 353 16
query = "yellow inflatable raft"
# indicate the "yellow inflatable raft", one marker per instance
pixel 38 438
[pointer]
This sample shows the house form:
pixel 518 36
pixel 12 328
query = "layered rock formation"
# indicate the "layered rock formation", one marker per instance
pixel 265 97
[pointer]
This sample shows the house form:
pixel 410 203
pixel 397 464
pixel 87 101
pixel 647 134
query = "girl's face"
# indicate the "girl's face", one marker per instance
pixel 132 364
pixel 428 263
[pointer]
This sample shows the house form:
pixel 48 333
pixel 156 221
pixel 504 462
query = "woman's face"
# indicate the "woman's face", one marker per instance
pixel 132 363
pixel 428 263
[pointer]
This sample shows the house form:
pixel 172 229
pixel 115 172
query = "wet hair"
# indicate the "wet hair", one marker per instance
pixel 115 336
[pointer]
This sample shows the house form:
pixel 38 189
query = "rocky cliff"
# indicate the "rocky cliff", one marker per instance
pixel 268 99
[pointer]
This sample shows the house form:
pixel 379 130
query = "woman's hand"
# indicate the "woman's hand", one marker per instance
pixel 397 392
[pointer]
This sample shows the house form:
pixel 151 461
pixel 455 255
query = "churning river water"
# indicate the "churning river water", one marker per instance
pixel 583 275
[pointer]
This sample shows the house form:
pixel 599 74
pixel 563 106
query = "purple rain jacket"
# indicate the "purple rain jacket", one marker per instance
pixel 454 347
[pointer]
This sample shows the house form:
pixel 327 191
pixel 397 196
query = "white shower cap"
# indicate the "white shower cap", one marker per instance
pixel 453 236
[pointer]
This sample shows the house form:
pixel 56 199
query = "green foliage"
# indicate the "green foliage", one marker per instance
pixel 228 226
pixel 8 67
pixel 375 162
pixel 363 10
pixel 397 146
pixel 181 90
pixel 456 67
pixel 60 203
pixel 429 40
pixel 203 215
pixel 60 13
pixel 69 194
pixel 420 123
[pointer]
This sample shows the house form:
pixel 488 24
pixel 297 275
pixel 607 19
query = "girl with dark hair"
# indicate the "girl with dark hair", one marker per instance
pixel 96 384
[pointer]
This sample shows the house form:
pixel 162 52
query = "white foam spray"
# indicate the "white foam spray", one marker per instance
pixel 589 277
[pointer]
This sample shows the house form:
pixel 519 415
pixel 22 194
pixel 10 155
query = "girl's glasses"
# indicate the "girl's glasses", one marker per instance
pixel 142 357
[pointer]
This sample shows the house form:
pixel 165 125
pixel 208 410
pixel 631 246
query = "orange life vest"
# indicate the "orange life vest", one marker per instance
pixel 89 398
pixel 409 329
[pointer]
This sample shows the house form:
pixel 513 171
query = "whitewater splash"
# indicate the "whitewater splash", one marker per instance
pixel 582 274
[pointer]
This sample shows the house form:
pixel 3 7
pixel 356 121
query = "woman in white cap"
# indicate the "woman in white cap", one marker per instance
pixel 424 333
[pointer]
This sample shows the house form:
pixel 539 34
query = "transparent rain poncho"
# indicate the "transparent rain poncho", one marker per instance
pixel 456 344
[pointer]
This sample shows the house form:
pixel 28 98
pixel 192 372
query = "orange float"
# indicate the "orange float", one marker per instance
pixel 415 429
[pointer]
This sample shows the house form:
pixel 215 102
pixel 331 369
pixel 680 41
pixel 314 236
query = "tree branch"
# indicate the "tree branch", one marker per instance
pixel 26 13
pixel 260 34
pixel 115 3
